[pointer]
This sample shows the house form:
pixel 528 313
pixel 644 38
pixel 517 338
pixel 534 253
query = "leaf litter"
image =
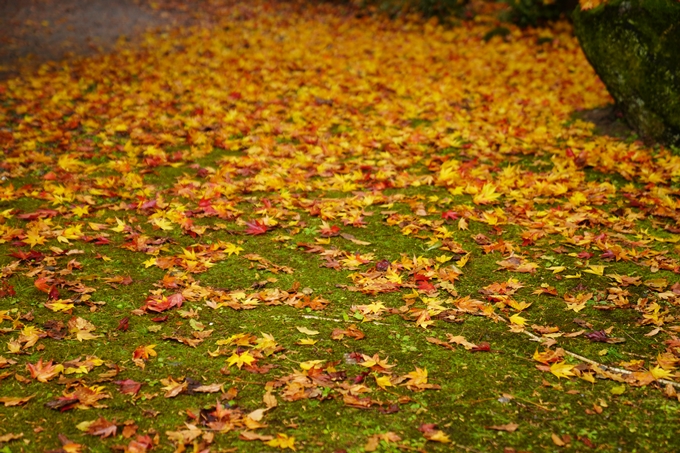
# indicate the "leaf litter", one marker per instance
pixel 290 128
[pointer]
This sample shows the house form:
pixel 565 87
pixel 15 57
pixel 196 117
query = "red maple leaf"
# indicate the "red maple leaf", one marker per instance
pixel 54 293
pixel 7 290
pixel 33 255
pixel 141 445
pixel 162 303
pixel 482 347
pixel 329 231
pixel 256 227
pixel 43 285
pixel 123 324
pixel 425 285
pixel 450 215
pixel 128 386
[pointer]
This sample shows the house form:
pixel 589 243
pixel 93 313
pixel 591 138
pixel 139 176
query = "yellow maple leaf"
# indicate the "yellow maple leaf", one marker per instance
pixel 120 227
pixel 660 373
pixel 282 441
pixel 163 224
pixel 383 381
pixel 462 224
pixel 266 344
pixel 487 195
pixel 14 347
pixel 449 171
pixel 588 377
pixel 59 305
pixel 443 258
pixel 309 364
pixel 464 259
pixel 561 369
pixel 82 369
pixel 519 306
pixel 518 320
pixel 80 211
pixel 417 377
pixel 34 238
pixel 70 233
pixel 438 436
pixel 231 249
pixel 597 270
pixel 370 362
pixel 240 359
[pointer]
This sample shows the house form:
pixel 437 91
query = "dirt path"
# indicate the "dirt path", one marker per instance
pixel 35 31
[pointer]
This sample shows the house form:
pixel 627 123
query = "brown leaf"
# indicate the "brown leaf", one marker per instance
pixel 212 388
pixel 250 435
pixel 141 444
pixel 557 440
pixel 269 400
pixel 10 437
pixel 509 427
pixel 128 386
pixel 352 331
pixel 129 430
pixel 102 428
pixel 351 238
pixel 10 401
pixel 173 388
pixel 439 342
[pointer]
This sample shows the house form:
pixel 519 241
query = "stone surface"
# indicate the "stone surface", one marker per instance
pixel 634 46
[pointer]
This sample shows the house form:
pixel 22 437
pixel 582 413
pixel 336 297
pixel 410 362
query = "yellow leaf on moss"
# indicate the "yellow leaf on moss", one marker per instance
pixel 240 359
pixel 518 320
pixel 562 369
pixel 282 441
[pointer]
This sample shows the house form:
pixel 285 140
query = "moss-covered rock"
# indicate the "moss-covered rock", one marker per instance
pixel 634 46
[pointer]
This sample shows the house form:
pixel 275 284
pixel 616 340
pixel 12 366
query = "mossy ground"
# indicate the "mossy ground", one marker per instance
pixel 573 186
pixel 473 385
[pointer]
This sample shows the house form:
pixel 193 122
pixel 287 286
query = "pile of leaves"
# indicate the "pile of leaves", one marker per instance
pixel 224 230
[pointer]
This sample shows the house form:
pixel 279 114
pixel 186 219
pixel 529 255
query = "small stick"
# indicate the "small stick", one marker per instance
pixel 592 362
pixel 321 318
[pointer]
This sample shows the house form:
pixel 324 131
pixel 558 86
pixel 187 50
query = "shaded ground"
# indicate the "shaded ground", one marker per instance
pixel 35 31
pixel 607 121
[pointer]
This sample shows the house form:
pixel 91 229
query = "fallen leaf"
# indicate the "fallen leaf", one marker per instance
pixel 509 427
pixel 307 331
pixel 10 401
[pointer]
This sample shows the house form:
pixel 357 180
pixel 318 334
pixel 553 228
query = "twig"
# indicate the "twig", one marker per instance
pixel 321 318
pixel 592 362
pixel 540 406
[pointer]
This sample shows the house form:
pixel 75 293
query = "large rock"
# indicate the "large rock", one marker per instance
pixel 634 46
